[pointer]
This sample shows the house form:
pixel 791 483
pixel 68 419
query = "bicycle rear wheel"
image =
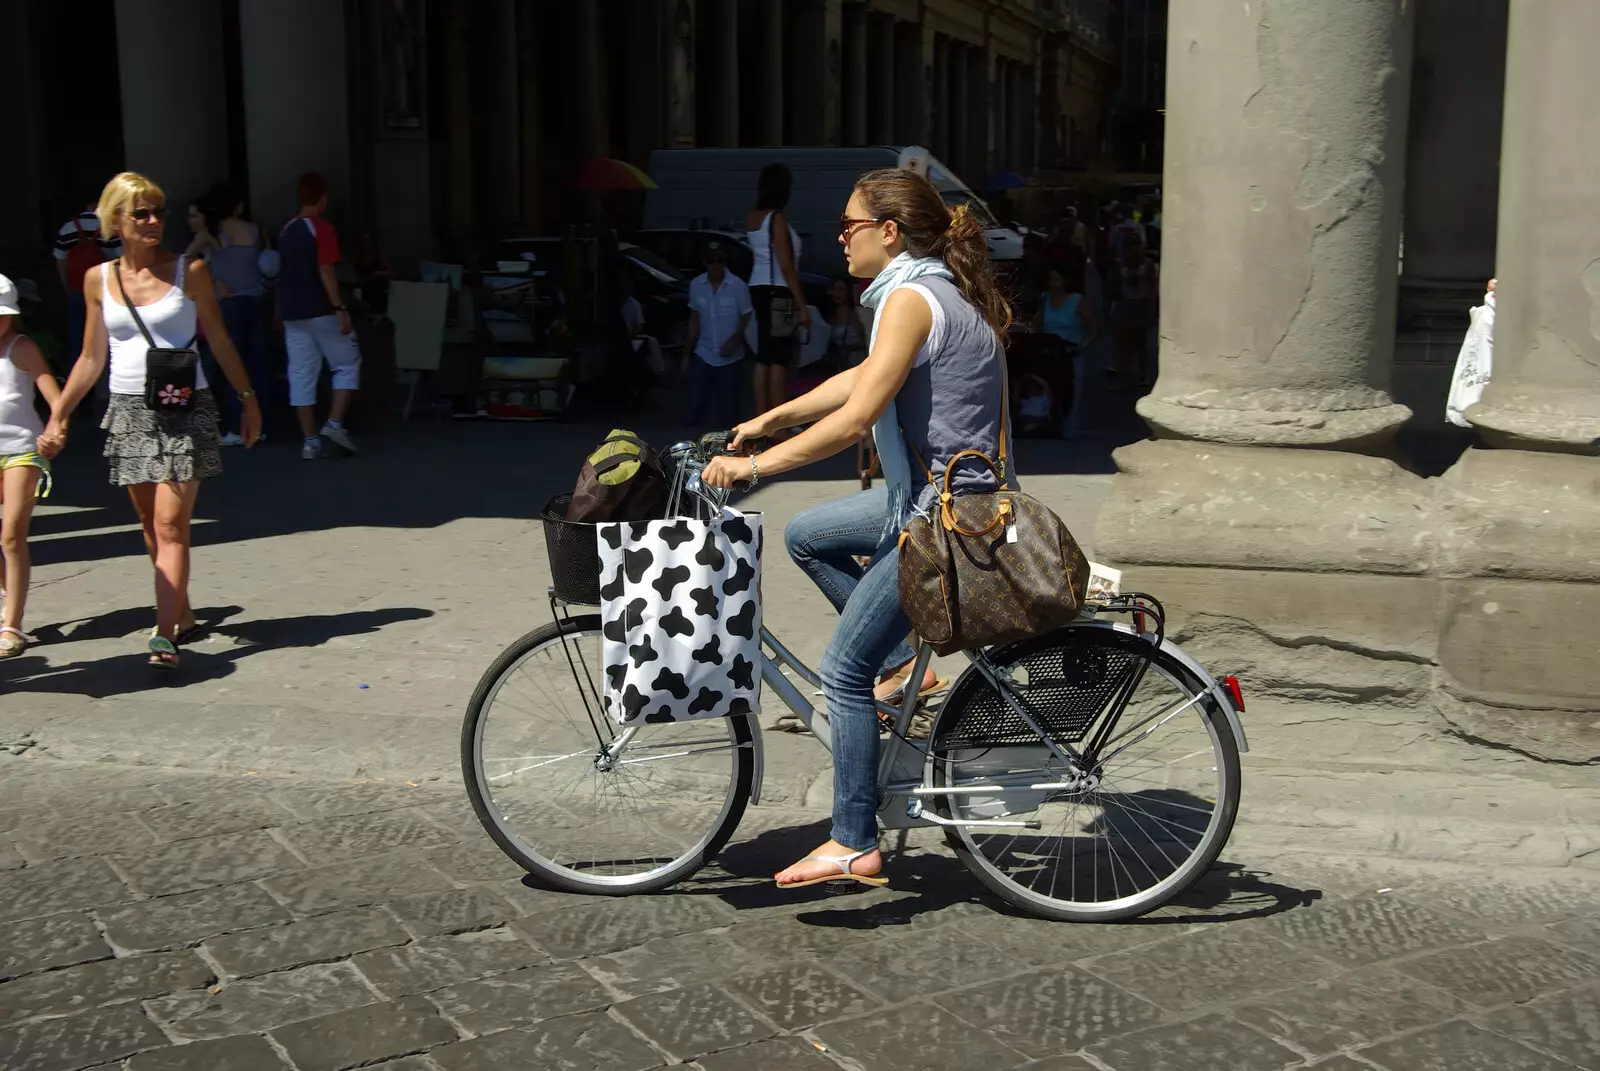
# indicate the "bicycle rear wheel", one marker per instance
pixel 1153 814
pixel 533 757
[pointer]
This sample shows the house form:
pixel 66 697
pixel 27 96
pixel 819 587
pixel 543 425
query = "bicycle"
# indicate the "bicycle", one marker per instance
pixel 1087 774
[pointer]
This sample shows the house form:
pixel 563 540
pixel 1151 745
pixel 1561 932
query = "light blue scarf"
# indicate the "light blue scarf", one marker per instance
pixel 886 437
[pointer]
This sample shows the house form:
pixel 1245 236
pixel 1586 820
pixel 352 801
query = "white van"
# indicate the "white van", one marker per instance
pixel 714 188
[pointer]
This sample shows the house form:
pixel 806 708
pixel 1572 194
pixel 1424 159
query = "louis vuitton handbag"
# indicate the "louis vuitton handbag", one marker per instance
pixel 988 567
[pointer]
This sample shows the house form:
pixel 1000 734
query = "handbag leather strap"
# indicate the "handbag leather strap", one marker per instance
pixel 999 469
pixel 133 310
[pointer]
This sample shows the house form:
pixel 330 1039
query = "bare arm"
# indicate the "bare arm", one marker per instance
pixel 907 321
pixel 26 356
pixel 691 336
pixel 197 286
pixel 783 253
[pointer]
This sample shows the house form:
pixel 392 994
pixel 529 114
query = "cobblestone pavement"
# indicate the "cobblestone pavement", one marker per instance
pixel 156 920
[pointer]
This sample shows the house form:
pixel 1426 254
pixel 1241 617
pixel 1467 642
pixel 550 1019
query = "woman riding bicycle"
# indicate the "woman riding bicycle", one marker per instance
pixel 931 381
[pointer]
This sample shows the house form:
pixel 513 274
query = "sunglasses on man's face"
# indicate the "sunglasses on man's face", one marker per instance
pixel 712 262
pixel 148 215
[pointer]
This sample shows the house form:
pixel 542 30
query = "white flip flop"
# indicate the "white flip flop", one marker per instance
pixel 843 862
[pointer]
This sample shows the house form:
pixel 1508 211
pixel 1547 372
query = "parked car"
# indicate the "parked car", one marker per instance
pixel 661 289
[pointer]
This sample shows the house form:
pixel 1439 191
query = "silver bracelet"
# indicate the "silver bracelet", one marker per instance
pixel 755 474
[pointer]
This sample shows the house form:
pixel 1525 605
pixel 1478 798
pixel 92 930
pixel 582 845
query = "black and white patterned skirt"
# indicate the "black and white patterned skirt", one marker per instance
pixel 145 446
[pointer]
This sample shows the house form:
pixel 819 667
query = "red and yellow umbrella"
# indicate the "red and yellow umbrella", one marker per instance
pixel 604 173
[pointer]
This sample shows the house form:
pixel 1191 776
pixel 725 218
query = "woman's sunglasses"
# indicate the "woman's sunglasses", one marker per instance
pixel 848 226
pixel 148 215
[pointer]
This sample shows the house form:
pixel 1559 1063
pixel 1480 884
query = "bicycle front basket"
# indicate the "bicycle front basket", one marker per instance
pixel 574 554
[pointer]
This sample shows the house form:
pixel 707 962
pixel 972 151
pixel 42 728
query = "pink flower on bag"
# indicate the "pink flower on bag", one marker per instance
pixel 172 394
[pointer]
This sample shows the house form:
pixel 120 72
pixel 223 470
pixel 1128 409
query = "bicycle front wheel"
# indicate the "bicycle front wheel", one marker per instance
pixel 1155 806
pixel 552 786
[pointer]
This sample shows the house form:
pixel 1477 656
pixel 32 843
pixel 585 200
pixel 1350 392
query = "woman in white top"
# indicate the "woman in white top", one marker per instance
pixel 24 475
pixel 776 249
pixel 159 456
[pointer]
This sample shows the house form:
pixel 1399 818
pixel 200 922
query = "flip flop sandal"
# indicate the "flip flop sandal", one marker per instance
pixel 893 698
pixel 163 653
pixel 185 636
pixel 843 862
pixel 14 641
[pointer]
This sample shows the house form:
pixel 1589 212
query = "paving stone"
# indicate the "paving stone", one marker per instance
pixel 1455 1046
pixel 1370 928
pixel 1038 942
pixel 452 911
pixel 129 800
pixel 76 1041
pixel 247 1052
pixel 1498 972
pixel 1211 1041
pixel 353 836
pixel 799 995
pixel 1339 1063
pixel 1350 1009
pixel 918 1035
pixel 481 860
pixel 311 940
pixel 371 881
pixel 528 995
pixel 52 888
pixel 173 921
pixel 1065 1063
pixel 1050 1011
pixel 1186 973
pixel 774 1054
pixel 669 963
pixel 694 1020
pixel 64 838
pixel 897 964
pixel 527 898
pixel 589 1042
pixel 25 817
pixel 10 858
pixel 330 801
pixel 264 1003
pixel 1506 899
pixel 92 984
pixel 362 1035
pixel 621 923
pixel 1567 1025
pixel 406 1063
pixel 53 941
pixel 1582 934
pixel 206 861
pixel 183 821
pixel 435 962
pixel 221 789
pixel 786 939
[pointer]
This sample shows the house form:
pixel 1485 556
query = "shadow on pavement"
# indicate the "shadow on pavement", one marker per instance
pixel 127 622
pixel 131 673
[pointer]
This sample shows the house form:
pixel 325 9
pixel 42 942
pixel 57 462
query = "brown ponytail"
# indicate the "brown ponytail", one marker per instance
pixel 930 229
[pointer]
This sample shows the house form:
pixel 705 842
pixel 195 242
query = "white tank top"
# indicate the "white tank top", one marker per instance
pixel 20 426
pixel 765 272
pixel 170 319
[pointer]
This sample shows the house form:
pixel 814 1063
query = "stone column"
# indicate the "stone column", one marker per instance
pixel 1521 603
pixel 174 127
pixel 854 91
pixel 980 80
pixel 726 14
pixel 1284 145
pixel 496 118
pixel 883 70
pixel 959 138
pixel 771 102
pixel 915 93
pixel 296 101
pixel 1307 569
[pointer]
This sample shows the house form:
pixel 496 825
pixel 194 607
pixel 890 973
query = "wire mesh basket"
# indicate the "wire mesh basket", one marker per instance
pixel 574 554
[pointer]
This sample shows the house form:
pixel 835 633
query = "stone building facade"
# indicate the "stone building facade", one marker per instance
pixel 445 125
pixel 1270 512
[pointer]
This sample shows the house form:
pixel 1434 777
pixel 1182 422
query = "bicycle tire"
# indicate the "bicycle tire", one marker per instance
pixel 973 691
pixel 514 843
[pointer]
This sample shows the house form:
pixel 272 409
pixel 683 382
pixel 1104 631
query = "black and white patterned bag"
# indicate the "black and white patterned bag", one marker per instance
pixel 681 606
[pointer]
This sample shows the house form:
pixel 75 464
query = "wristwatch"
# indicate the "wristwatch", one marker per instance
pixel 246 394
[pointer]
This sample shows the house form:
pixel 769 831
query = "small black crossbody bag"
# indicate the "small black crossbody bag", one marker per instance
pixel 170 375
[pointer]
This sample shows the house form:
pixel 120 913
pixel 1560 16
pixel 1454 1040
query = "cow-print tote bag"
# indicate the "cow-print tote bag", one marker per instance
pixel 681 606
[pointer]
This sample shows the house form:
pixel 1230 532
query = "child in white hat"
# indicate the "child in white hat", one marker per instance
pixel 24 474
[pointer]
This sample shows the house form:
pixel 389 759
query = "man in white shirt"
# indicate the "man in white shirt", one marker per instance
pixel 719 310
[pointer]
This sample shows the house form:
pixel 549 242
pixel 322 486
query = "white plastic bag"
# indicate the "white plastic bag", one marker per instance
pixel 1474 364
pixel 681 606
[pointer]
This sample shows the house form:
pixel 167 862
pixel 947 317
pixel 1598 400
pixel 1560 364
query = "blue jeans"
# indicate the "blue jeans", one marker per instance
pixel 247 330
pixel 871 637
pixel 715 383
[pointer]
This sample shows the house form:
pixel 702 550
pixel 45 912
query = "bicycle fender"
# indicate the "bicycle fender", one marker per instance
pixel 758 752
